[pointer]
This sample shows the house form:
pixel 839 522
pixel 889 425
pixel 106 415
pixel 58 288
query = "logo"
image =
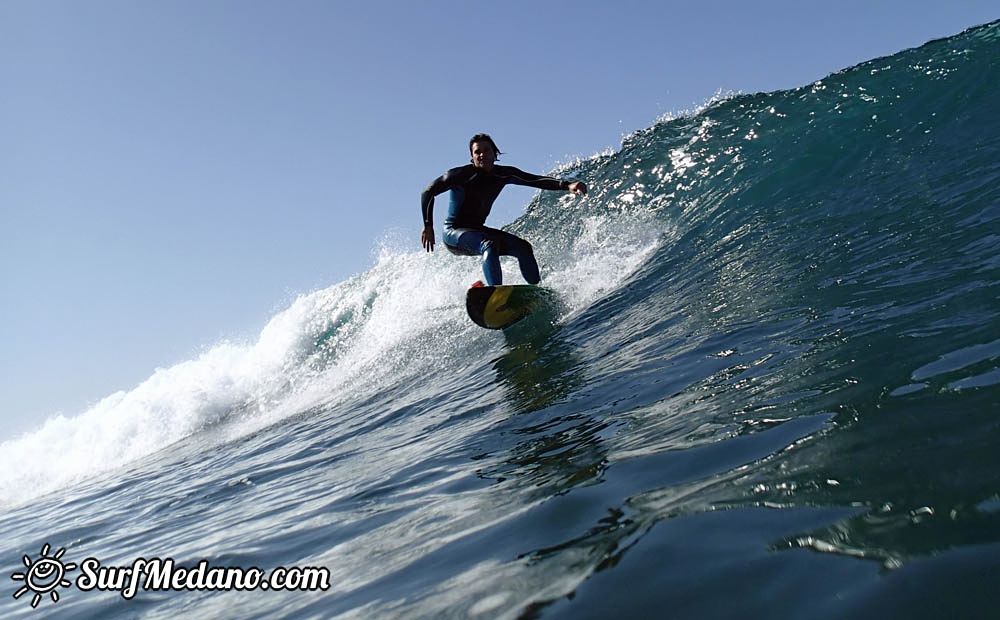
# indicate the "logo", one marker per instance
pixel 45 575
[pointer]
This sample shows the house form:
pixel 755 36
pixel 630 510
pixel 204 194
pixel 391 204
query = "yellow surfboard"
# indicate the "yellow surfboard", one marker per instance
pixel 497 307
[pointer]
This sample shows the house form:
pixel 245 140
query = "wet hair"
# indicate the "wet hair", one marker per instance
pixel 484 137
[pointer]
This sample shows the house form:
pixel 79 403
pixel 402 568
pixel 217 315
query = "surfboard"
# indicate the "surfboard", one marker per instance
pixel 499 307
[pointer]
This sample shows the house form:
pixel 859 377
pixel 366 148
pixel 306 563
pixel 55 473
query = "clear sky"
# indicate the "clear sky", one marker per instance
pixel 172 173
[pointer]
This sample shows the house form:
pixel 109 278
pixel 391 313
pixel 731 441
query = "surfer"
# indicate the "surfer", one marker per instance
pixel 474 187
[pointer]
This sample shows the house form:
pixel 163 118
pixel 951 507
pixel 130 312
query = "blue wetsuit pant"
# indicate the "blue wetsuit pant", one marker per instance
pixel 491 244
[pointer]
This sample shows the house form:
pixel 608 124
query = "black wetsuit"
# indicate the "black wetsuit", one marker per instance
pixel 480 190
pixel 473 192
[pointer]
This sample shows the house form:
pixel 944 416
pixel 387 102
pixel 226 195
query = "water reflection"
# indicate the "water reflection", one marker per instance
pixel 539 366
pixel 548 446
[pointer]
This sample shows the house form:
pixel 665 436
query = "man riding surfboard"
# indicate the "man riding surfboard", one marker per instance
pixel 474 188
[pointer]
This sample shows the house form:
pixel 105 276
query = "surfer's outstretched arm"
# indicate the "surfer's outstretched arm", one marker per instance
pixel 517 176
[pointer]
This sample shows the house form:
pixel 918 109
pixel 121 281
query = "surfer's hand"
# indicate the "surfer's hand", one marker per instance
pixel 578 188
pixel 427 238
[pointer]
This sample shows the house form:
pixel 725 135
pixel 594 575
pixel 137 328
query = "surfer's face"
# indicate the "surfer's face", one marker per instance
pixel 483 155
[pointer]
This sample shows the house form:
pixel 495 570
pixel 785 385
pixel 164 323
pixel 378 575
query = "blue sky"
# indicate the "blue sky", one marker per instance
pixel 175 172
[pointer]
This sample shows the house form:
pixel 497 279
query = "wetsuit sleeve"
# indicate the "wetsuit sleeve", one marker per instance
pixel 437 186
pixel 516 176
pixel 449 180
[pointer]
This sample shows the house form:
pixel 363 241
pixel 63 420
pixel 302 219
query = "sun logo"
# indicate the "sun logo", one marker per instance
pixel 44 575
